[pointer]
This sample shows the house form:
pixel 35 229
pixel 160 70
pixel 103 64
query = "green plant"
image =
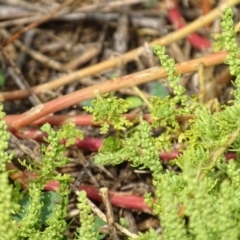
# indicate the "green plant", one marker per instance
pixel 202 200
pixel 107 110
pixel 86 231
pixel 35 214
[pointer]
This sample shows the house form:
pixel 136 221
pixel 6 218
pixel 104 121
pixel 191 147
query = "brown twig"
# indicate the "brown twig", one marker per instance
pixel 109 214
pixel 22 84
pixel 110 5
pixel 98 212
pixel 89 54
pixel 129 56
pixel 37 55
pixel 80 177
pixel 37 23
pixel 29 152
pixel 20 80
pixel 27 41
pixel 20 21
pixel 57 120
pixel 26 5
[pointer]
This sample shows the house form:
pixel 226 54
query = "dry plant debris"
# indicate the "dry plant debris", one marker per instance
pixel 57 55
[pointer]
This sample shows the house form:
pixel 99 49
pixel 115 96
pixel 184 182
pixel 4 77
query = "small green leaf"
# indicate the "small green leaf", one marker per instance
pixel 49 199
pixel 150 4
pixel 134 102
pixel 86 103
pixel 98 222
pixel 2 78
pixel 114 76
pixel 157 89
pixel 123 222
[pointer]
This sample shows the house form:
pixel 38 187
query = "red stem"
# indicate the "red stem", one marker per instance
pixel 79 120
pixel 93 144
pixel 118 199
pixel 177 20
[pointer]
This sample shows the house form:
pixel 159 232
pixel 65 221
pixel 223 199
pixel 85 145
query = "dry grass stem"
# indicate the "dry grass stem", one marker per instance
pixel 109 213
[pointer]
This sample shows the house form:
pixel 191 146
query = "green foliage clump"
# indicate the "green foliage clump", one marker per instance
pixel 52 158
pixel 23 215
pixel 107 110
pixel 4 135
pixel 201 200
pixel 86 231
pixel 8 228
pixel 53 153
pixel 139 149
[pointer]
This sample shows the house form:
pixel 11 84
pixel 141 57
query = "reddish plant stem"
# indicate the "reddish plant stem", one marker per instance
pixel 177 20
pixel 55 120
pixel 32 25
pixel 108 86
pixel 79 120
pixel 90 144
pixel 118 199
pixel 93 144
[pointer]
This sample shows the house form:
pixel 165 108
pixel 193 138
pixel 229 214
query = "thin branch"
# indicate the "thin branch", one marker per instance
pixel 109 213
pixel 22 4
pixel 28 151
pixel 16 73
pixel 82 119
pixel 37 55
